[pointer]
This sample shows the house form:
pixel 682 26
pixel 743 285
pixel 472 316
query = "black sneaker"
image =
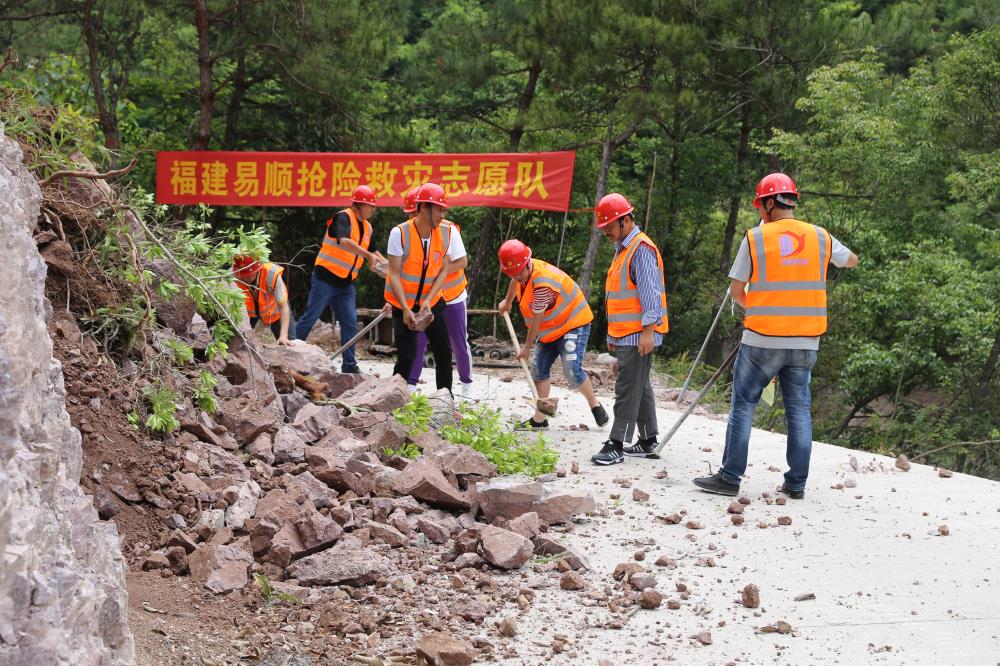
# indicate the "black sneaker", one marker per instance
pixel 531 424
pixel 643 448
pixel 794 494
pixel 611 454
pixel 353 370
pixel 715 484
pixel 600 416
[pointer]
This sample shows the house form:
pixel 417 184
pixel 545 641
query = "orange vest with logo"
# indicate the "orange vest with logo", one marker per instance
pixel 454 283
pixel 336 258
pixel 787 289
pixel 419 269
pixel 570 309
pixel 260 299
pixel 621 295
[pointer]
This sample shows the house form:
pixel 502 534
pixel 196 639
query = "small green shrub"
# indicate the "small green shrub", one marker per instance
pixel 485 430
pixel 162 407
pixel 181 353
pixel 407 450
pixel 415 415
pixel 270 594
pixel 203 396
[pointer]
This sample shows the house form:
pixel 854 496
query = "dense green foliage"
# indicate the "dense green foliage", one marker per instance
pixel 886 113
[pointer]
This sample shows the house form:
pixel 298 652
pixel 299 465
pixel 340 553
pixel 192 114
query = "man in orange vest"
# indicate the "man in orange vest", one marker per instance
pixel 558 317
pixel 635 296
pixel 785 262
pixel 455 318
pixel 345 248
pixel 419 261
pixel 265 295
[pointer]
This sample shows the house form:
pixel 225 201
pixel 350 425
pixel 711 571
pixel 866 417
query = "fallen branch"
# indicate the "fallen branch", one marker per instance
pixel 10 58
pixel 251 349
pixel 954 444
pixel 93 175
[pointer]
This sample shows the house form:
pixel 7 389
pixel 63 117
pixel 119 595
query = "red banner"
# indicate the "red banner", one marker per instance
pixel 541 181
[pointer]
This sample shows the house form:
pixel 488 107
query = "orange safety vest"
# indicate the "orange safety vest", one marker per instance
pixel 419 270
pixel 338 259
pixel 454 283
pixel 787 293
pixel 570 309
pixel 260 299
pixel 621 295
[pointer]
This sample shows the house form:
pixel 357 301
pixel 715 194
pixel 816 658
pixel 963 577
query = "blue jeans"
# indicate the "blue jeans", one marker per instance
pixel 754 369
pixel 570 348
pixel 342 300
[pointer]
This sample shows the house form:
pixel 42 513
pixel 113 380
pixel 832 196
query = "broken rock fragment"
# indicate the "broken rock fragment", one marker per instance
pixel 440 649
pixel 348 562
pixel 751 596
pixel 505 549
pixel 424 481
pixel 221 569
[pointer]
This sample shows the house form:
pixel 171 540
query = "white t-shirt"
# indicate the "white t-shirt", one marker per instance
pixel 741 270
pixel 456 250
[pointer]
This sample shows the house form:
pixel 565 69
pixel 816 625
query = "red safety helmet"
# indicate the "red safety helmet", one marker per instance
pixel 363 194
pixel 432 193
pixel 514 256
pixel 774 184
pixel 245 266
pixel 610 208
pixel 410 202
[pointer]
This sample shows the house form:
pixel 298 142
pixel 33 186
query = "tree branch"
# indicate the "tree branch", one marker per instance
pixel 90 174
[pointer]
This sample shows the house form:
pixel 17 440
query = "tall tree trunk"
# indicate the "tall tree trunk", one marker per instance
pixel 491 216
pixel 205 92
pixel 107 115
pixel 725 257
pixel 587 272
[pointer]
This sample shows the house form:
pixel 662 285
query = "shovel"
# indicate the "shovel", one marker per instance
pixel 701 396
pixel 546 406
pixel 350 343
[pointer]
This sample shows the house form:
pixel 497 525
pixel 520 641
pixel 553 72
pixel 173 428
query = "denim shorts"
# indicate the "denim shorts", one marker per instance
pixel 570 348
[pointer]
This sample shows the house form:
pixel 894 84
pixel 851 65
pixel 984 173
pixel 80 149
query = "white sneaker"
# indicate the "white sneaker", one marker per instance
pixel 466 391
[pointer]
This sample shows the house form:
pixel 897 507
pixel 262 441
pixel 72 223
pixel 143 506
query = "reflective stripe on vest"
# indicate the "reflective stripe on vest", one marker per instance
pixel 454 283
pixel 413 268
pixel 336 258
pixel 787 288
pixel 263 294
pixel 621 295
pixel 570 309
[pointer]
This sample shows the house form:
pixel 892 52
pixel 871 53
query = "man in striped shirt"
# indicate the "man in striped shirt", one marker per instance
pixel 636 302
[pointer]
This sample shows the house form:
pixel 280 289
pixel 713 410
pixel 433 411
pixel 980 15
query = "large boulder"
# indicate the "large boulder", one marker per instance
pixel 348 562
pixel 301 357
pixel 462 461
pixel 288 446
pixel 423 480
pixel 559 506
pixel 507 498
pixel 505 549
pixel 221 568
pixel 305 486
pixel 330 467
pixel 313 421
pixel 440 649
pixel 378 395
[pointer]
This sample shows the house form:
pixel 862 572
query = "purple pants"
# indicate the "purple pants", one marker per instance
pixel 458 332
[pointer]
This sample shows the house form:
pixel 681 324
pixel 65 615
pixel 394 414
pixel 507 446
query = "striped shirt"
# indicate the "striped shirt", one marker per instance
pixel 645 273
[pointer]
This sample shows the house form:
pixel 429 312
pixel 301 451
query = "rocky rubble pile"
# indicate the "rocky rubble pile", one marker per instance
pixel 299 491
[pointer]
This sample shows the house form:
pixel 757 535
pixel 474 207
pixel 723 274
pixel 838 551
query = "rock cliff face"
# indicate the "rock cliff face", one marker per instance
pixel 62 576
